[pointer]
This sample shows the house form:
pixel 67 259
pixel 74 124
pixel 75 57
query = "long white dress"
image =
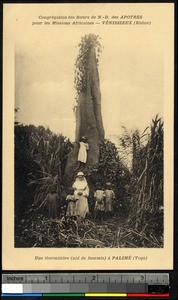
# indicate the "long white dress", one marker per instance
pixel 82 155
pixel 81 186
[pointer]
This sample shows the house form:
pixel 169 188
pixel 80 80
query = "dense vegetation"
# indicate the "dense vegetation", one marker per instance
pixel 88 42
pixel 40 160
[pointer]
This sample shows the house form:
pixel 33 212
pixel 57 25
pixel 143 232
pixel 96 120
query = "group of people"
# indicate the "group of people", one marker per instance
pixel 104 201
pixel 77 199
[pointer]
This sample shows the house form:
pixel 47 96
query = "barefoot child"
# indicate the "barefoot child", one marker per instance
pixel 51 201
pixel 99 203
pixel 110 197
pixel 82 155
pixel 71 204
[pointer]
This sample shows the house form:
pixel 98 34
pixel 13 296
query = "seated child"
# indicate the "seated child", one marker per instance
pixel 99 208
pixel 71 204
pixel 110 197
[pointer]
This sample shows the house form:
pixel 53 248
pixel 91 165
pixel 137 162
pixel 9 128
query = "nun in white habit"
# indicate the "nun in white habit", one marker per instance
pixel 81 193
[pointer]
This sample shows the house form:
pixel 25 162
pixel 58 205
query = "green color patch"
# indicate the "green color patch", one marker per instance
pixel 65 295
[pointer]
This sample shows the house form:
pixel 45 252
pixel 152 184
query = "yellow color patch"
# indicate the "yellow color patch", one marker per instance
pixel 105 295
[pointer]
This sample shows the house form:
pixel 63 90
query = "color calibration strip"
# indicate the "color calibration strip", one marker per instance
pixel 87 295
pixel 87 285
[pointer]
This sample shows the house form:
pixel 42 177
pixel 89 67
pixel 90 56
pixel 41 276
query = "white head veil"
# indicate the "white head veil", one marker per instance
pixel 80 183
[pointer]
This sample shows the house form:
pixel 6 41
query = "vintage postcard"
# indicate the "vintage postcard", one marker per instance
pixel 88 114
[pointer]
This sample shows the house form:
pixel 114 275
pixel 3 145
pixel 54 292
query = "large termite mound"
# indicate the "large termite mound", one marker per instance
pixel 88 106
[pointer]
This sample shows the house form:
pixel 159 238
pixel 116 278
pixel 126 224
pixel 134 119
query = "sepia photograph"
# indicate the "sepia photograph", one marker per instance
pixel 90 127
pixel 92 189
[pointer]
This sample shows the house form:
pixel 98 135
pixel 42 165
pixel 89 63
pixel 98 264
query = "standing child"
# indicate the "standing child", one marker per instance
pixel 99 208
pixel 51 201
pixel 110 197
pixel 82 155
pixel 71 204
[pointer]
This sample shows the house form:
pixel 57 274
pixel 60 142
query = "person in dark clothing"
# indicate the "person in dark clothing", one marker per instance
pixel 51 201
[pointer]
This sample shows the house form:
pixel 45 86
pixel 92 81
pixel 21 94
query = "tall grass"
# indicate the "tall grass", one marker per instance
pixel 40 160
pixel 146 183
pixel 44 159
pixel 49 152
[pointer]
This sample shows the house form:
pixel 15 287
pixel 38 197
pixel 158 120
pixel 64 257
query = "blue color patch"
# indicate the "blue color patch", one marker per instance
pixel 22 295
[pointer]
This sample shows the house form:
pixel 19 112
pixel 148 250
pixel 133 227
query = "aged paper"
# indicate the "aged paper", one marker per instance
pixel 48 31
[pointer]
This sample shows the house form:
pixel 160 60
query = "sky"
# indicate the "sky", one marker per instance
pixel 131 77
